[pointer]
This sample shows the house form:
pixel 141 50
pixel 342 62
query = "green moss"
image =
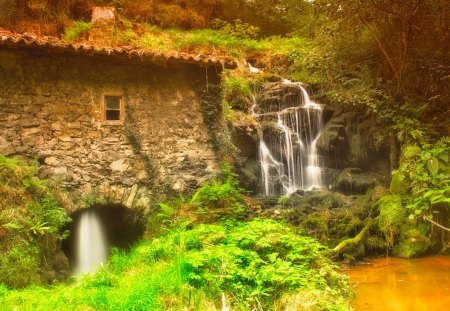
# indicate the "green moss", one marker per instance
pixel 413 241
pixel 349 225
pixel 316 224
pixel 392 215
pixel 375 243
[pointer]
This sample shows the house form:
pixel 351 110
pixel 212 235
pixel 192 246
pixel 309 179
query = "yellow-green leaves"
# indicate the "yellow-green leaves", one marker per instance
pixel 433 166
pixel 411 151
pixel 399 183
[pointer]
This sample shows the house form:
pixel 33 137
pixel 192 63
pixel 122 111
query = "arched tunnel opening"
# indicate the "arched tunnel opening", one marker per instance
pixel 119 226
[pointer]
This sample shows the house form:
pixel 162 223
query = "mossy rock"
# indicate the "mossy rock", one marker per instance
pixel 375 244
pixel 392 214
pixel 321 199
pixel 352 181
pixel 352 254
pixel 391 218
pixel 413 243
pixel 350 225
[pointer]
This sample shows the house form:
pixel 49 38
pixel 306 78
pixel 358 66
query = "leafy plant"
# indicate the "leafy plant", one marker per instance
pixel 237 29
pixel 252 264
pixel 32 219
pixel 224 196
pixel 78 29
pixel 426 171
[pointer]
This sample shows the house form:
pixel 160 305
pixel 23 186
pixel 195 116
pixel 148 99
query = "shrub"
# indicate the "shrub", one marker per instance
pixel 255 262
pixel 221 198
pixel 77 30
pixel 238 29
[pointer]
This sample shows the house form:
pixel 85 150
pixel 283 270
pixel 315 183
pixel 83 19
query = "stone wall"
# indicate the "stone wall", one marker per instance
pixel 50 108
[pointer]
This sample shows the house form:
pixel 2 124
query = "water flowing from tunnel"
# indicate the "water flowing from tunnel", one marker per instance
pixel 288 145
pixel 91 246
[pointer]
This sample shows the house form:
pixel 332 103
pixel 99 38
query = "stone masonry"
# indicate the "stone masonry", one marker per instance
pixel 51 108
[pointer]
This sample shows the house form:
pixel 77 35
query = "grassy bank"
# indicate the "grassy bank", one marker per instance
pixel 260 264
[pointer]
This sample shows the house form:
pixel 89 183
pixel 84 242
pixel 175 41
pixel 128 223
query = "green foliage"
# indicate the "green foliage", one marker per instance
pixel 225 196
pixel 29 216
pixel 252 264
pixel 238 29
pixel 427 171
pixel 77 30
pixel 255 262
pixel 20 263
pixel 238 85
pixel 399 184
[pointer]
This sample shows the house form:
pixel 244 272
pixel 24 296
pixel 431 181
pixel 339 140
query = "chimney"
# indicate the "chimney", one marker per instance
pixel 103 23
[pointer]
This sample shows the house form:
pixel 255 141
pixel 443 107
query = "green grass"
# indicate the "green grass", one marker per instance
pixel 214 42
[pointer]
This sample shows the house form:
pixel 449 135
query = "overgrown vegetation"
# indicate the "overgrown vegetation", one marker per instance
pixel 77 30
pixel 423 180
pixel 30 226
pixel 252 264
pixel 257 264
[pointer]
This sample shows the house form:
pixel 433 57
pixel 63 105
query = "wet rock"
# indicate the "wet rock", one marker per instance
pixel 323 199
pixel 353 181
pixel 249 176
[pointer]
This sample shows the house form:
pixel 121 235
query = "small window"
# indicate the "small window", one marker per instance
pixel 113 108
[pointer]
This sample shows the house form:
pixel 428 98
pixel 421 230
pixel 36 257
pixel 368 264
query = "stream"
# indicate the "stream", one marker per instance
pixel 396 284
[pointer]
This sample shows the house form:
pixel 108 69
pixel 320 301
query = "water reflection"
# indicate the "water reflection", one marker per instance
pixel 402 285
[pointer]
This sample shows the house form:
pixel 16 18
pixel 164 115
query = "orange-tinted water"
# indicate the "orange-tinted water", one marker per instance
pixel 393 284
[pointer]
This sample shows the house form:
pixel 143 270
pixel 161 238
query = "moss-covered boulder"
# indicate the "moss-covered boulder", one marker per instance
pixel 391 218
pixel 413 242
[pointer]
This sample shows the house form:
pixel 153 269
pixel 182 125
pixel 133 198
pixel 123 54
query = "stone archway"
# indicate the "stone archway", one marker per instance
pixel 122 228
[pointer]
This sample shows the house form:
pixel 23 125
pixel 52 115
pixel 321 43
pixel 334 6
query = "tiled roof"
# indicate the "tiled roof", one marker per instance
pixel 10 39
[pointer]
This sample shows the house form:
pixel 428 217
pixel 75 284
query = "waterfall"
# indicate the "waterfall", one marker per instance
pixel 290 127
pixel 91 248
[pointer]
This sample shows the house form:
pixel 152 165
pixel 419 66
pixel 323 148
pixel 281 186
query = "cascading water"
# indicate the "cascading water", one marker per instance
pixel 288 135
pixel 91 248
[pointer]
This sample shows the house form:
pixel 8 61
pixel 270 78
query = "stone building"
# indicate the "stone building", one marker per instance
pixel 110 122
